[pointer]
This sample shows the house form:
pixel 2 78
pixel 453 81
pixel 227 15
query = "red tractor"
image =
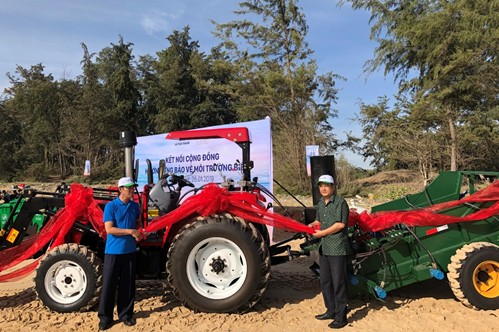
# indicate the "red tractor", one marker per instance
pixel 214 250
pixel 213 246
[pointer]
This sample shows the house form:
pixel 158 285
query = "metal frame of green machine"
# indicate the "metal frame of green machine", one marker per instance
pixel 467 252
pixel 7 208
pixel 28 213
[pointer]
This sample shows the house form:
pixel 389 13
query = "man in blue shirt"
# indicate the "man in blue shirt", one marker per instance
pixel 332 217
pixel 121 218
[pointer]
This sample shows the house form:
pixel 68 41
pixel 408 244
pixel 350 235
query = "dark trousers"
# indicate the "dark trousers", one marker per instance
pixel 119 274
pixel 333 275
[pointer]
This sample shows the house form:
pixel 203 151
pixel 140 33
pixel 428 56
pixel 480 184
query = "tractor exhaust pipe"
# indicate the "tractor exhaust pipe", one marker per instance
pixel 128 140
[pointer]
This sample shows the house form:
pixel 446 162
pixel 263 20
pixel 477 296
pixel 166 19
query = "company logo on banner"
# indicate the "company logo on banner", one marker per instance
pixel 208 160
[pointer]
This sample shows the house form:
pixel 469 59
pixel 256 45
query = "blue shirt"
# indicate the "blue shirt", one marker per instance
pixel 123 216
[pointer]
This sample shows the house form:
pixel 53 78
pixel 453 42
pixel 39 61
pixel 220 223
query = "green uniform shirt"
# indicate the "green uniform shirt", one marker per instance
pixel 336 210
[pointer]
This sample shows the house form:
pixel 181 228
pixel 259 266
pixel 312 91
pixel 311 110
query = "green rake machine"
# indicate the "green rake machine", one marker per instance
pixel 465 253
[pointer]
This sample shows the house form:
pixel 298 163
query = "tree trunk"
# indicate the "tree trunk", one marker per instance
pixel 453 140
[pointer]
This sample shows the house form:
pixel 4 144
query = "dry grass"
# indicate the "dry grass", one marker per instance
pixel 389 185
pixel 378 188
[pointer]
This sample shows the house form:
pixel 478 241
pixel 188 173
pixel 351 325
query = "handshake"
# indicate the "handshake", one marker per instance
pixel 139 234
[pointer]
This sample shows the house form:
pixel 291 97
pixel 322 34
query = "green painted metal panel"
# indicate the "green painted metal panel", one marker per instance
pixel 446 187
pixel 403 256
pixel 7 208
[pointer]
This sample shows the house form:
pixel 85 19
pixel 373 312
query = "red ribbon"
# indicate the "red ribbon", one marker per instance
pixel 80 205
pixel 214 199
pixel 433 215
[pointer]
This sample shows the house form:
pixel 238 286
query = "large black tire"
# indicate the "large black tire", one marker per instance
pixel 474 275
pixel 219 264
pixel 69 278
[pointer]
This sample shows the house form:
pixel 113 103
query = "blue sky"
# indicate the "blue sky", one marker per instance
pixel 51 31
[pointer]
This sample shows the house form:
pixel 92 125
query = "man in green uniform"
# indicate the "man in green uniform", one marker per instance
pixel 332 217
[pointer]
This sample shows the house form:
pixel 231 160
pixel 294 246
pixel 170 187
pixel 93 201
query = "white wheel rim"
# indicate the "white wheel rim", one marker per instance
pixel 65 282
pixel 216 268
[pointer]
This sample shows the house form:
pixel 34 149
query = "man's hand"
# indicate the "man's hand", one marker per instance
pixel 136 234
pixel 315 225
pixel 333 229
pixel 318 233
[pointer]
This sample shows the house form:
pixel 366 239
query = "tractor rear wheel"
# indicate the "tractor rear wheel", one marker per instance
pixel 69 278
pixel 474 275
pixel 219 263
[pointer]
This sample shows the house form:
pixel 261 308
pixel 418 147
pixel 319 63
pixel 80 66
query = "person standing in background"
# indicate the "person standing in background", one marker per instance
pixel 332 217
pixel 121 219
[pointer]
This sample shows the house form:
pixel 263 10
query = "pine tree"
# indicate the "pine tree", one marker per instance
pixel 278 78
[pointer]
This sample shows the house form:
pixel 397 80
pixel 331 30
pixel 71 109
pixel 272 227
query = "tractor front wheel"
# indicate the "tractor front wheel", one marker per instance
pixel 69 278
pixel 219 264
pixel 474 275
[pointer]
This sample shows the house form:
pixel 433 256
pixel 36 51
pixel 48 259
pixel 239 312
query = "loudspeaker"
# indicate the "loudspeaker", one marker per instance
pixel 320 165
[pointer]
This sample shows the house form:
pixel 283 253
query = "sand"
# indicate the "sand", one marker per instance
pixel 292 299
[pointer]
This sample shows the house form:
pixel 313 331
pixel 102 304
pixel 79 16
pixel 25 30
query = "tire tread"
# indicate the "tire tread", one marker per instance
pixel 87 254
pixel 455 268
pixel 243 226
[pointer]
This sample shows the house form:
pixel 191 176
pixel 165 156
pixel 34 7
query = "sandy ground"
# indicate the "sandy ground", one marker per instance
pixel 292 299
pixel 290 302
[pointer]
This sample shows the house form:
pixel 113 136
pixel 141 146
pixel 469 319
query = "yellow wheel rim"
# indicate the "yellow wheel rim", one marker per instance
pixel 486 279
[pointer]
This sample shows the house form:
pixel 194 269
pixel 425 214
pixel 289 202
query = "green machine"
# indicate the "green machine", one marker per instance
pixel 6 209
pixel 465 253
pixel 26 215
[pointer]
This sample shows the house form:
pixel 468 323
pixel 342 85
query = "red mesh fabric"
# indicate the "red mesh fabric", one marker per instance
pixel 214 199
pixel 353 217
pixel 79 204
pixel 433 215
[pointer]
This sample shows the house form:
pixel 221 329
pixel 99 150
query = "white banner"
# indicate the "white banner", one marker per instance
pixel 310 151
pixel 86 170
pixel 208 160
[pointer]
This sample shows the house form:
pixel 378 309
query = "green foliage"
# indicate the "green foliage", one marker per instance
pixel 346 174
pixel 10 142
pixel 35 172
pixel 278 78
pixel 192 90
pixel 114 67
pixel 445 54
pixel 33 103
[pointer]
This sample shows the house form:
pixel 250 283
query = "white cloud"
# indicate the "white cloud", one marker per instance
pixel 158 22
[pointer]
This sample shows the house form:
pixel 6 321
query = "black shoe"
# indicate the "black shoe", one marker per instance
pixel 104 326
pixel 129 321
pixel 337 325
pixel 325 316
